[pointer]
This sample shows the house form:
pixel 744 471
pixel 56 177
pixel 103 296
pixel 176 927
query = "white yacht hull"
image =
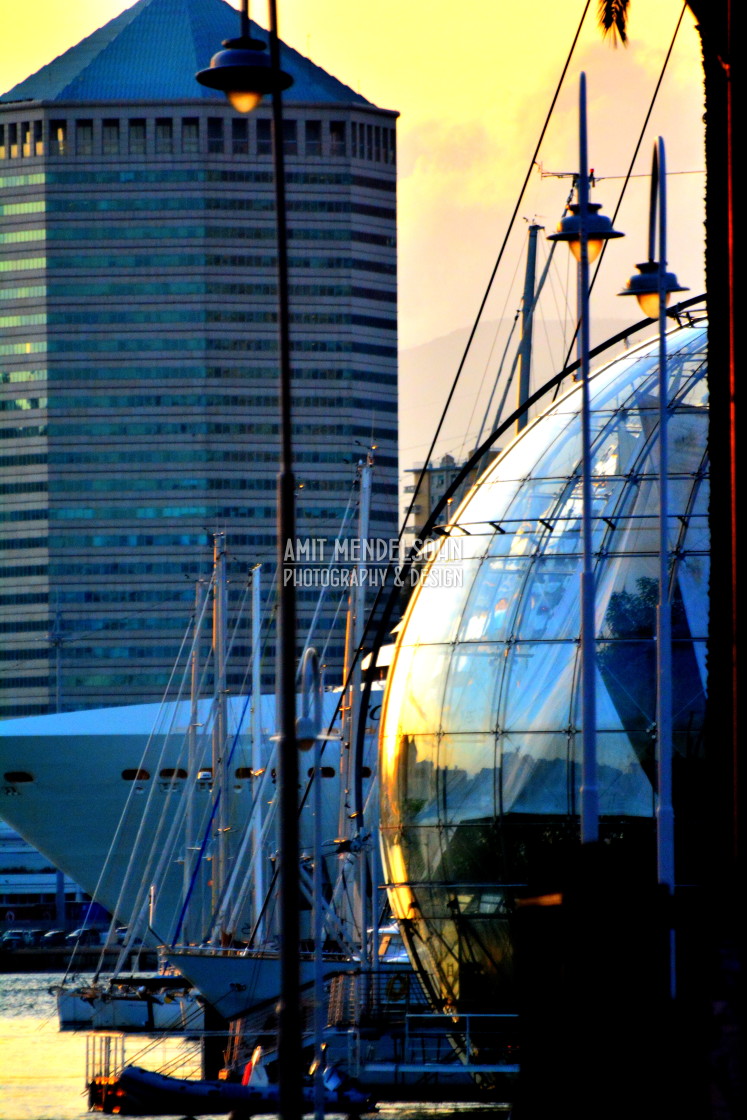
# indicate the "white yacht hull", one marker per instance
pixel 97 792
pixel 121 1012
pixel 236 983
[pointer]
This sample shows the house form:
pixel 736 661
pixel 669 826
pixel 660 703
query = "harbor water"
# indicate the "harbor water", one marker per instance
pixel 42 1070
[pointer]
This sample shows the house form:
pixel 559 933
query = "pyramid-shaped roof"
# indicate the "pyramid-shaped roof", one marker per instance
pixel 152 51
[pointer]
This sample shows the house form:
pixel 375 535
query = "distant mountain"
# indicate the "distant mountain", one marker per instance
pixel 426 373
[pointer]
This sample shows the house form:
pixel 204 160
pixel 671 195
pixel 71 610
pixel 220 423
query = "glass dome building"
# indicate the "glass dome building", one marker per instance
pixel 480 757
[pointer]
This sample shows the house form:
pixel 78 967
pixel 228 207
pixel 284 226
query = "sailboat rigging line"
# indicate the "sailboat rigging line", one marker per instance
pixel 208 830
pixel 497 378
pixel 154 869
pixel 509 295
pixel 629 174
pixel 517 357
pixel 115 838
pixel 230 884
pixel 501 251
pixel 146 878
pixel 347 514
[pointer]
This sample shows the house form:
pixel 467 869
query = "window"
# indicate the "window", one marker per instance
pixel 164 136
pixel 313 138
pixel 337 138
pixel 215 135
pixel 369 141
pixel 13 140
pixel 377 144
pixel 110 138
pixel 57 138
pixel 240 136
pixel 84 138
pixel 290 138
pixel 190 135
pixel 264 138
pixel 2 141
pixel 137 137
pixel 38 128
pixel 26 134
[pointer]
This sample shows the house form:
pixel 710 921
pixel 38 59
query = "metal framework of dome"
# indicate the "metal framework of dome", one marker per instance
pixel 480 757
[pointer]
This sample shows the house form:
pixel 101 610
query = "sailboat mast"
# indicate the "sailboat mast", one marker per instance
pixel 220 776
pixel 364 514
pixel 527 321
pixel 258 871
pixel 190 838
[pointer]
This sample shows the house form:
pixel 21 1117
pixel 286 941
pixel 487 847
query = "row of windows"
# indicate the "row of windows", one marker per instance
pixel 160 261
pixel 8 711
pixel 132 203
pixel 193 400
pixel 191 315
pixel 152 513
pixel 186 373
pixel 105 344
pixel 23 487
pixel 129 232
pixel 175 455
pixel 140 136
pixel 143 621
pixel 257 455
pixel 23 597
pixel 127 486
pixel 188 287
pixel 33 654
pixel 198 175
pixel 22 264
pixel 123 484
pixel 79 541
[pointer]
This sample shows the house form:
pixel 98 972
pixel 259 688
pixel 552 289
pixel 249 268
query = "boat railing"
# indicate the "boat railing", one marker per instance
pixel 441 1043
pixel 369 995
pixel 177 1054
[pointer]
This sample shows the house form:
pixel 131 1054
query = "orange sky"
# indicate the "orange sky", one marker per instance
pixel 472 82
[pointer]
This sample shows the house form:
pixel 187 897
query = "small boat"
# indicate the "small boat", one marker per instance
pixel 142 1092
pixel 150 1004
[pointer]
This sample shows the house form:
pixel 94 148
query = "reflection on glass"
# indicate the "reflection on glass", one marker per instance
pixel 481 726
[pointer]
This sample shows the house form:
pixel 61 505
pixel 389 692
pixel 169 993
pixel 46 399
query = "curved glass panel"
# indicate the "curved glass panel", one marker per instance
pixel 481 727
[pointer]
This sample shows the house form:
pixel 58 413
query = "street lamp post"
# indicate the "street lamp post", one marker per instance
pixel 586 230
pixel 245 74
pixel 652 287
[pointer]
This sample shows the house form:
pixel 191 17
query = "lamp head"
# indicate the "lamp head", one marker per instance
pixel 244 72
pixel 645 287
pixel 598 230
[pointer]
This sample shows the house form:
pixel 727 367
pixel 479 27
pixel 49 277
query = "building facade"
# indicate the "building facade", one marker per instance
pixel 139 355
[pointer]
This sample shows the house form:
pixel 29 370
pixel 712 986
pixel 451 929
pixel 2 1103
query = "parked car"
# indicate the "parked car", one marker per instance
pixel 54 937
pixel 12 939
pixel 122 935
pixel 33 937
pixel 84 937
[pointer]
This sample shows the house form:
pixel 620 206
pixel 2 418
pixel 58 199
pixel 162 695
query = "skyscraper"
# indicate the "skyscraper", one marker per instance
pixel 138 345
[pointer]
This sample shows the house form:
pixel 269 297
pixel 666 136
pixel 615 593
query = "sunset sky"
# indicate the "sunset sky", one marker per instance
pixel 472 83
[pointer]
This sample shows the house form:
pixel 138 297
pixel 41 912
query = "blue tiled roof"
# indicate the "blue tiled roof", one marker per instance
pixel 152 51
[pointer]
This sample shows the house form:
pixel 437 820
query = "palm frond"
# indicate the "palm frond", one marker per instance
pixel 613 19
